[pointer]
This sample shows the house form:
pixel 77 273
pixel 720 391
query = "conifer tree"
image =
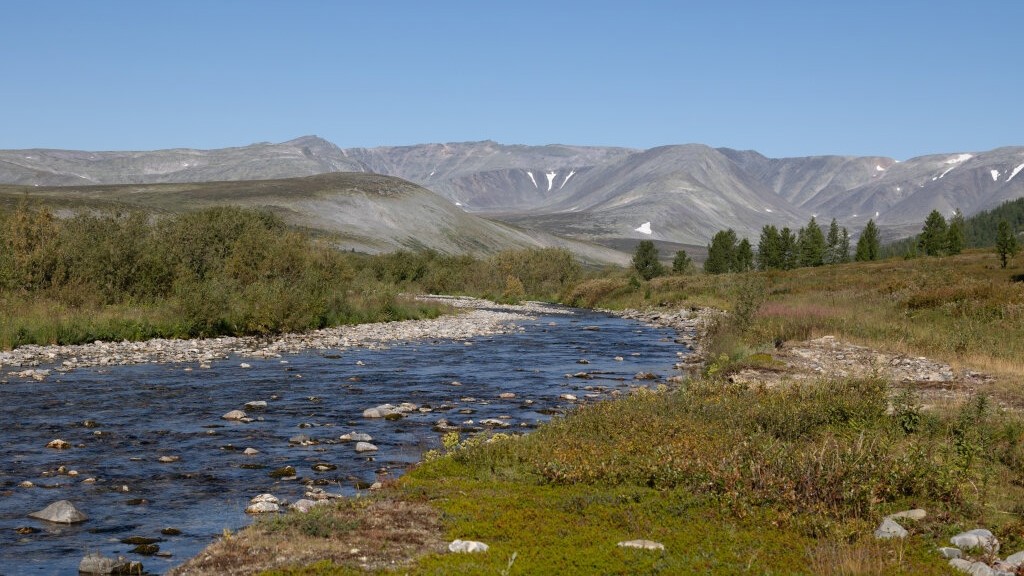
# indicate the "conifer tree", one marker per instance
pixel 744 260
pixel 812 244
pixel 769 248
pixel 721 253
pixel 645 260
pixel 933 240
pixel 682 264
pixel 788 249
pixel 1006 243
pixel 868 243
pixel 955 233
pixel 844 247
pixel 833 244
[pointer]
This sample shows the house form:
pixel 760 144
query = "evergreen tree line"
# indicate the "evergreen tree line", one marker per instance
pixel 782 249
pixel 978 231
pixel 941 238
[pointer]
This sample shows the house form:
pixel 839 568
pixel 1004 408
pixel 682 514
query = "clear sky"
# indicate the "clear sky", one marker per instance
pixel 787 78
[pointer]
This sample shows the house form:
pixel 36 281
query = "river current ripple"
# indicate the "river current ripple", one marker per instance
pixel 136 414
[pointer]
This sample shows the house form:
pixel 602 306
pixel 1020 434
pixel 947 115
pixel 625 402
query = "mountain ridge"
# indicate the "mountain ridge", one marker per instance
pixel 596 193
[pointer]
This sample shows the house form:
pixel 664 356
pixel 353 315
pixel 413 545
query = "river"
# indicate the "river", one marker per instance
pixel 121 420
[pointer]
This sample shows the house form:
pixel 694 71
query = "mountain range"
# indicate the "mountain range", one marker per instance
pixel 678 195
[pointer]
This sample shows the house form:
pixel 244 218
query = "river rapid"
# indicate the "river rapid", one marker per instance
pixel 120 420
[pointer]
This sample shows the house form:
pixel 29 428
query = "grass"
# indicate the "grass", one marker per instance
pixel 731 480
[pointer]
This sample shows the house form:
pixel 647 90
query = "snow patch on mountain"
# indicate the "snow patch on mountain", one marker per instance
pixel 1015 171
pixel 959 158
pixel 645 228
pixel 571 172
pixel 995 175
pixel 551 179
pixel 532 179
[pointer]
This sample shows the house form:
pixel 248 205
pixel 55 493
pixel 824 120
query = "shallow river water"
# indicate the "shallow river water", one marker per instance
pixel 136 414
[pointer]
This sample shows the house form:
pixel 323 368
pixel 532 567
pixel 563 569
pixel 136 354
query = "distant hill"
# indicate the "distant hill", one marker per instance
pixel 602 194
pixel 361 211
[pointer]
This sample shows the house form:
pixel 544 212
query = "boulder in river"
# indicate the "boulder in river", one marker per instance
pixel 58 444
pixel 365 447
pixel 355 437
pixel 234 415
pixel 97 564
pixel 61 512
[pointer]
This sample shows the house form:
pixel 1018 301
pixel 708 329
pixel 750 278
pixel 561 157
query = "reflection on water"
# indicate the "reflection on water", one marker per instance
pixel 120 421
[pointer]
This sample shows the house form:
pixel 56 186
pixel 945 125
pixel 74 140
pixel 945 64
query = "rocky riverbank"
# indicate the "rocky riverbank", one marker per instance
pixel 474 318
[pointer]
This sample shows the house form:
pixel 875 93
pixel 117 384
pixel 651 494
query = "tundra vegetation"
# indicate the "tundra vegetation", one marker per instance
pixel 224 271
pixel 731 478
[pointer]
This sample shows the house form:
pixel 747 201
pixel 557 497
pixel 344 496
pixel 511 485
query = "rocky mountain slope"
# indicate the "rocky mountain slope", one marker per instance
pixel 361 211
pixel 678 194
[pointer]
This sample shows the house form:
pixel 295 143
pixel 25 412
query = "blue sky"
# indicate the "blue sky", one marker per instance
pixel 786 78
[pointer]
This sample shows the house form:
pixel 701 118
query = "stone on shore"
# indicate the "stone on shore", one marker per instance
pixel 889 529
pixel 61 512
pixel 467 546
pixel 642 544
pixel 915 514
pixel 977 538
pixel 303 506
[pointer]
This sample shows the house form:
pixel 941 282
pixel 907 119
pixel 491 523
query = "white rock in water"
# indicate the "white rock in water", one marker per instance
pixel 58 444
pixel 234 415
pixel 61 512
pixel 256 405
pixel 365 447
pixel 494 423
pixel 262 508
pixel 467 546
pixel 355 437
pixel 642 544
pixel 977 538
pixel 381 411
pixel 265 498
pixel 244 365
pixel 169 459
pixel 96 563
pixel 888 529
